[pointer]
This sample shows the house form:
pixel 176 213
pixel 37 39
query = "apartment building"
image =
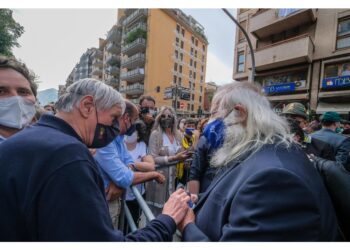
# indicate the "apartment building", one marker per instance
pixel 301 55
pixel 210 89
pixel 83 69
pixel 163 54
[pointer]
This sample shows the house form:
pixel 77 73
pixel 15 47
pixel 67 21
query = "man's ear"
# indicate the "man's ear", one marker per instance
pixel 87 106
pixel 243 114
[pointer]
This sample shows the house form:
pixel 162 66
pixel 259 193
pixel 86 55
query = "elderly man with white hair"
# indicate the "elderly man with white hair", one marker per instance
pixel 266 189
pixel 50 186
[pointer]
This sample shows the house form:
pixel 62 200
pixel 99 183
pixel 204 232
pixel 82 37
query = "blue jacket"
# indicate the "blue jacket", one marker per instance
pixel 51 190
pixel 340 144
pixel 274 195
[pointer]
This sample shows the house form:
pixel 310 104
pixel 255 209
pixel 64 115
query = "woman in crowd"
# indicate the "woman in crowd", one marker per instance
pixel 165 147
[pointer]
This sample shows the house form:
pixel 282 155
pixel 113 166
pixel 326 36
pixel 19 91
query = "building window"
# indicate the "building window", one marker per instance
pixel 202 79
pixel 190 84
pixel 343 34
pixel 203 59
pixel 191 62
pixel 241 36
pixel 203 47
pixel 241 60
pixel 174 79
pixel 201 89
pixel 177 41
pixel 192 39
pixel 200 98
pixel 195 64
pixel 195 53
pixel 202 69
pixel 182 44
pixel 337 70
pixel 194 85
pixel 194 75
pixel 181 56
pixel 183 32
pixel 192 107
pixel 175 66
pixel 196 42
pixel 192 97
pixel 190 75
pixel 180 81
pixel 178 104
pixel 180 68
pixel 176 54
pixel 177 28
pixel 191 51
pixel 188 106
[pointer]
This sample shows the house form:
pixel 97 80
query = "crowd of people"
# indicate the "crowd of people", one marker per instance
pixel 243 174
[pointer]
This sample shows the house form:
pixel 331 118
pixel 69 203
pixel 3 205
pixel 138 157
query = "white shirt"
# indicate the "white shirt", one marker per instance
pixel 172 147
pixel 137 154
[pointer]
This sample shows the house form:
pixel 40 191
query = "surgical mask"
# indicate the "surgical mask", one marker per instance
pixel 104 134
pixel 131 138
pixel 166 123
pixel 16 112
pixel 214 132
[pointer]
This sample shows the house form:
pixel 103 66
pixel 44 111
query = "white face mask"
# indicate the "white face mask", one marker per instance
pixel 16 112
pixel 132 138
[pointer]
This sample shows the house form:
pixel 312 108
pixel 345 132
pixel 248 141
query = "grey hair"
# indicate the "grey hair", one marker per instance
pixel 262 125
pixel 104 96
pixel 156 125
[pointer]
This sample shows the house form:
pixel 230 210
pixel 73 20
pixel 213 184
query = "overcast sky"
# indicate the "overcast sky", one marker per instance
pixel 54 40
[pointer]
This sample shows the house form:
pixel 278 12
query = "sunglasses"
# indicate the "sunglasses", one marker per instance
pixel 166 116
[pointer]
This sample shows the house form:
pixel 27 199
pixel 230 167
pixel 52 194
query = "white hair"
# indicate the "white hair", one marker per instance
pixel 104 96
pixel 262 126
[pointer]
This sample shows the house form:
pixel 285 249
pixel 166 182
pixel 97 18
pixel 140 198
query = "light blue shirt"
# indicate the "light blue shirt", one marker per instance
pixel 113 160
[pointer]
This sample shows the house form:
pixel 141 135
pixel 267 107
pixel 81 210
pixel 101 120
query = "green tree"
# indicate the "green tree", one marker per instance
pixel 10 31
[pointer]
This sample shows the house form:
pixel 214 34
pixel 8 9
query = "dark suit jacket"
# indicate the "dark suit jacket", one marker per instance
pixel 274 195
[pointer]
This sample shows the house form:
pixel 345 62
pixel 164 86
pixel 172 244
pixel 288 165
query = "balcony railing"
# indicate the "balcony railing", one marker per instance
pixel 113 48
pixel 274 21
pixel 114 34
pixel 114 82
pixel 134 16
pixel 140 25
pixel 97 71
pixel 133 75
pixel 133 89
pixel 112 59
pixel 113 70
pixel 98 54
pixel 97 62
pixel 292 51
pixel 136 46
pixel 137 60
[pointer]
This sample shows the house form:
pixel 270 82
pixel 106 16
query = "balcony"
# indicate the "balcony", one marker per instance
pixel 139 45
pixel 134 17
pixel 114 34
pixel 140 25
pixel 113 82
pixel 135 61
pixel 274 21
pixel 98 54
pixel 97 62
pixel 97 72
pixel 112 59
pixel 113 70
pixel 292 51
pixel 113 48
pixel 135 75
pixel 133 89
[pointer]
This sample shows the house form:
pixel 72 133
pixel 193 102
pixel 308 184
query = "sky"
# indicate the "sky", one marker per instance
pixel 54 40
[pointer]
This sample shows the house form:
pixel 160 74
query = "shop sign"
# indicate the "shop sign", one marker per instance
pixel 278 88
pixel 336 82
pixel 168 93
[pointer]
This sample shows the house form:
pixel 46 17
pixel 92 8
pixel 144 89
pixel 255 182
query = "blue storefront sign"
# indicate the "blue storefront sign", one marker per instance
pixel 336 82
pixel 278 88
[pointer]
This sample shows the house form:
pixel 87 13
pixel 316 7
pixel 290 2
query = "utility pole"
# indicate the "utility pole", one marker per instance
pixel 176 91
pixel 248 40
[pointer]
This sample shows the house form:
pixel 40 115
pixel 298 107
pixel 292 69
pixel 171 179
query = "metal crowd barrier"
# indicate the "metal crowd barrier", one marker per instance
pixel 150 207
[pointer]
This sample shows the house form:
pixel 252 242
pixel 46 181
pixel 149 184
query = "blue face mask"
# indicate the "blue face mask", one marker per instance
pixel 214 132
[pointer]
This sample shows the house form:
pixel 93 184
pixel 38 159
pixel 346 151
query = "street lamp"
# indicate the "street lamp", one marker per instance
pixel 248 39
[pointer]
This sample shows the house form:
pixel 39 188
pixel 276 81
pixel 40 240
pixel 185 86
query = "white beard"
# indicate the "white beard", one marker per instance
pixel 234 135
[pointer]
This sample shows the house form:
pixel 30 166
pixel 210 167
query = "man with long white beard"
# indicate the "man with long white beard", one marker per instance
pixel 266 188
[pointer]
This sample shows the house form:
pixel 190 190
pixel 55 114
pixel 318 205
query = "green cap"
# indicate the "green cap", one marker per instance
pixel 295 108
pixel 331 117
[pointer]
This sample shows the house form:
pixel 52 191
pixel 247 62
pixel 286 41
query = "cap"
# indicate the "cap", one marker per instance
pixel 331 117
pixel 295 108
